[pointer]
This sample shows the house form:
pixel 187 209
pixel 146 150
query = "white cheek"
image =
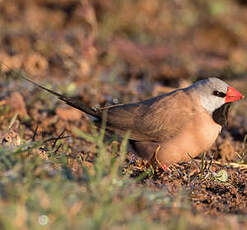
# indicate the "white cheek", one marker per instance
pixel 211 103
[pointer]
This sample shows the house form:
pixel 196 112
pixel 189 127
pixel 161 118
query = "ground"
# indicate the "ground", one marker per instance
pixel 57 171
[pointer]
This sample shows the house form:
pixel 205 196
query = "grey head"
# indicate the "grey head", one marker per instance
pixel 211 93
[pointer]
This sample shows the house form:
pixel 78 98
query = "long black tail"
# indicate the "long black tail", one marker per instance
pixel 68 100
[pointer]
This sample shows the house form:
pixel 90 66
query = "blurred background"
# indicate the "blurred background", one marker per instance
pixel 115 51
pixel 139 44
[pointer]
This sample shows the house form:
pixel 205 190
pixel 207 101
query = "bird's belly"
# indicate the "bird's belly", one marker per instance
pixel 193 140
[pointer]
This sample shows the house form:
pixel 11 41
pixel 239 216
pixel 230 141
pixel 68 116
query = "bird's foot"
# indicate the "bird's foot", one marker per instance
pixel 155 163
pixel 163 167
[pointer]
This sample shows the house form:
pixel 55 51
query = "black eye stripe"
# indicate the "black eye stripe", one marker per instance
pixel 219 94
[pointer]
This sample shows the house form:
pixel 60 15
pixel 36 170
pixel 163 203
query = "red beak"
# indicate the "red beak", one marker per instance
pixel 232 95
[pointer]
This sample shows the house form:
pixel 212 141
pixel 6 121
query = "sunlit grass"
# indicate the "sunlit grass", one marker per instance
pixel 45 194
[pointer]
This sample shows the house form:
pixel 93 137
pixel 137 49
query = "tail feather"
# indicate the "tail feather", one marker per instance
pixel 68 100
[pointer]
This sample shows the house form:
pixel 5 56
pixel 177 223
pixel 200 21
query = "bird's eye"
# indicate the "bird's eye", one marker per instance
pixel 219 94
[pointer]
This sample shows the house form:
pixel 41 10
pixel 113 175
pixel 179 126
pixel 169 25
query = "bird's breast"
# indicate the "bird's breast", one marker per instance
pixel 197 136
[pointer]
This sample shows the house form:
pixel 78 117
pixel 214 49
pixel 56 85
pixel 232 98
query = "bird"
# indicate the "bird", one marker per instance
pixel 172 127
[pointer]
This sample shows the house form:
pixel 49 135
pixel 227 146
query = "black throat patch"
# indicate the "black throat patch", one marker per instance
pixel 220 115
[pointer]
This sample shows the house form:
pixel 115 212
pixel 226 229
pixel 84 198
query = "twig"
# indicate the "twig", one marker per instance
pixel 231 164
pixel 35 133
pixel 59 137
pixel 193 160
pixel 55 138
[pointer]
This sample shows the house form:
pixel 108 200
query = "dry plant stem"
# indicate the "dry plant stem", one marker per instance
pixel 193 160
pixel 35 133
pixel 59 136
pixel 230 164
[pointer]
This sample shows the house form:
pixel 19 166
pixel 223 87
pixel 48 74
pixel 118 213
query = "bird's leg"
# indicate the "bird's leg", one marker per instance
pixel 154 159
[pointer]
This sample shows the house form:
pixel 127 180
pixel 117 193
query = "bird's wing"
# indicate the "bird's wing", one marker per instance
pixel 156 119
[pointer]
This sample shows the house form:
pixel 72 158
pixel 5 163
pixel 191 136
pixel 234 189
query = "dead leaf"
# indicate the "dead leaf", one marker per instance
pixel 68 114
pixel 17 104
